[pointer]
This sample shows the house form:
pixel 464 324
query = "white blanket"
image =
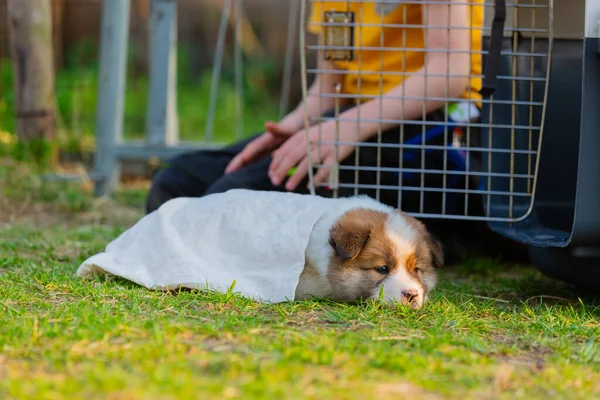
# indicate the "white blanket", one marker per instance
pixel 257 239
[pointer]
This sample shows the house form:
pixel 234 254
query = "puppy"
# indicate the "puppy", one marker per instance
pixel 365 245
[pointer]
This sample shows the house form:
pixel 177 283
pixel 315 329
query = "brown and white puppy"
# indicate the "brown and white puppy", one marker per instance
pixel 364 245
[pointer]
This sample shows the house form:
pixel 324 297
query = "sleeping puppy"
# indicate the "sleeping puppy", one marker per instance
pixel 365 245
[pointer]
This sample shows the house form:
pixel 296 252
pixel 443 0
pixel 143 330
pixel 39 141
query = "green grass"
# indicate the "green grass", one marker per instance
pixel 490 331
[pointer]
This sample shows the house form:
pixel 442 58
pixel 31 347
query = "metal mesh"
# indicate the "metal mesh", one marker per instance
pixel 468 156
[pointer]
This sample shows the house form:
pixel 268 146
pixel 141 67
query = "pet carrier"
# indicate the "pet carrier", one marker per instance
pixel 483 158
pixel 563 228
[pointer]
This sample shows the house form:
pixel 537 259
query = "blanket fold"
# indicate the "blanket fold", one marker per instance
pixel 257 239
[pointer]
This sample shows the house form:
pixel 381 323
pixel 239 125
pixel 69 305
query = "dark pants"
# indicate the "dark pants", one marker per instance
pixel 200 173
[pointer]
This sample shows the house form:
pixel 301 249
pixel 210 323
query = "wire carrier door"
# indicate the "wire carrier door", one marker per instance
pixel 476 155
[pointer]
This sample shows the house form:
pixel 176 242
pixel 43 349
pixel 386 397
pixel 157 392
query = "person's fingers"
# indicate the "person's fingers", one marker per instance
pixel 279 155
pixel 240 159
pixel 278 129
pixel 234 164
pixel 271 126
pixel 302 169
pixel 253 150
pixel 262 144
pixel 322 174
pixel 276 159
pixel 286 161
pixel 300 173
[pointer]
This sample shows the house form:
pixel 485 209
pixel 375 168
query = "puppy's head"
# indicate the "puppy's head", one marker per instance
pixel 372 249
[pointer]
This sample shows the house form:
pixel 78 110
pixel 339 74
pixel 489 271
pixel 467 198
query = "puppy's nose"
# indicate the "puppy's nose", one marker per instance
pixel 410 295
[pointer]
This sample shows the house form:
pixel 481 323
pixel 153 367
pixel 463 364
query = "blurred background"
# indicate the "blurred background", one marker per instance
pixel 76 43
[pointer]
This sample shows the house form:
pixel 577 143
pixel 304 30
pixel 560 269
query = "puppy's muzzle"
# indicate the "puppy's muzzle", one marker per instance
pixel 411 298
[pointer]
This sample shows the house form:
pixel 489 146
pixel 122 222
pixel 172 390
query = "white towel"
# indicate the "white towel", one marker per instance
pixel 257 239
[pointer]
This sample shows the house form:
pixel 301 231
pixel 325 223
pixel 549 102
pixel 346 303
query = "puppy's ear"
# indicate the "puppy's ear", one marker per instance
pixel 351 233
pixel 433 245
pixel 346 244
pixel 437 252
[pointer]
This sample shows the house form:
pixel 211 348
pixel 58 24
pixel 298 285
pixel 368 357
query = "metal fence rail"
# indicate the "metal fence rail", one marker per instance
pixel 162 125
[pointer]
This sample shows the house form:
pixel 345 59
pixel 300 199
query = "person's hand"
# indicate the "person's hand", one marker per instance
pixel 293 154
pixel 275 135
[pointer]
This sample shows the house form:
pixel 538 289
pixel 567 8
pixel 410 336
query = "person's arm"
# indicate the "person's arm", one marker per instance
pixel 316 104
pixel 277 133
pixel 446 53
pixel 324 82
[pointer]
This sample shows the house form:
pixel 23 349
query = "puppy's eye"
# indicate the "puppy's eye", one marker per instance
pixel 383 270
pixel 417 270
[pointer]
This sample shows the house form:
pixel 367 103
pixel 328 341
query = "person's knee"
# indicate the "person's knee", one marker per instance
pixel 253 177
pixel 228 182
pixel 186 175
pixel 163 188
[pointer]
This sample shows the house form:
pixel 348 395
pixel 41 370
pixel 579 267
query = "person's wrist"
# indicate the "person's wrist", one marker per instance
pixel 295 120
pixel 349 131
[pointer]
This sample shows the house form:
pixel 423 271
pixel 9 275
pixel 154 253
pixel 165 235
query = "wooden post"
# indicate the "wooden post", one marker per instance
pixel 58 16
pixel 30 28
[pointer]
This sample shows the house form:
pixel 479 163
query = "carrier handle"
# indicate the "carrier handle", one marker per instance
pixel 493 61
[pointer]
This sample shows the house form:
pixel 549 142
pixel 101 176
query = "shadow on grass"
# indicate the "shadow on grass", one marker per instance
pixel 489 278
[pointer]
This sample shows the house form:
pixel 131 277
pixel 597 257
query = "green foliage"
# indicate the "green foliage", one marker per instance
pixel 77 95
pixel 38 152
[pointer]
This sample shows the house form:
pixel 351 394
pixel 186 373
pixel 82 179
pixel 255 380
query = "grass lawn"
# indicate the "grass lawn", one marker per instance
pixel 490 331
